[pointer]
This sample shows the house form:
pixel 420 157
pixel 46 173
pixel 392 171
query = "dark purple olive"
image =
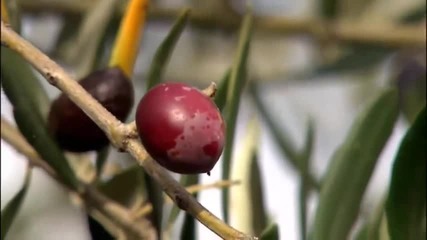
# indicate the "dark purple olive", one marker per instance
pixel 73 130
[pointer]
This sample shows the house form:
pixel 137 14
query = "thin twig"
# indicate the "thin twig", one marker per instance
pixel 147 208
pixel 93 198
pixel 116 132
pixel 391 35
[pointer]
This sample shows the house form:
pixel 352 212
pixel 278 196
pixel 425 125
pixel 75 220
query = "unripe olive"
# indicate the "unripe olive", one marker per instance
pixel 181 128
pixel 73 129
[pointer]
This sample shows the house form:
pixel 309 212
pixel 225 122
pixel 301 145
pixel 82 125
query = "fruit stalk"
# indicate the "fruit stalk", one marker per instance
pixel 116 131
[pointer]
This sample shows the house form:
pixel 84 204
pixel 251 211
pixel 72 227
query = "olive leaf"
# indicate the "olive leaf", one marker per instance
pixel 271 232
pixel 162 55
pixel 81 50
pixel 221 93
pixel 125 187
pixel 405 207
pixel 185 180
pixel 351 168
pixel 188 231
pixel 246 201
pixel 235 86
pixel 10 211
pixel 101 158
pixel 287 147
pixel 305 177
pixel 16 69
pixel 30 121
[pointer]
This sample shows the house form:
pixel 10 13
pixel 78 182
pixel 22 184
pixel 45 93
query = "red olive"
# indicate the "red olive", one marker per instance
pixel 73 129
pixel 181 128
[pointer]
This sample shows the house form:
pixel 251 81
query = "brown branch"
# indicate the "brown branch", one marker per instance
pixel 93 199
pixel 147 208
pixel 390 35
pixel 117 132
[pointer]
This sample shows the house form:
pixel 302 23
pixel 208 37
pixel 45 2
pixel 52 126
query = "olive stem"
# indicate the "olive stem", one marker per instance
pixel 392 35
pixel 210 91
pixel 147 208
pixel 116 132
pixel 131 130
pixel 93 199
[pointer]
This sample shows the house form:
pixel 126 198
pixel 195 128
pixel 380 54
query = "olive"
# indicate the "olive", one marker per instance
pixel 181 128
pixel 73 130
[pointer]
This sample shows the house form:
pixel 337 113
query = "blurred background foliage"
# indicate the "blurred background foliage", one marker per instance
pixel 313 93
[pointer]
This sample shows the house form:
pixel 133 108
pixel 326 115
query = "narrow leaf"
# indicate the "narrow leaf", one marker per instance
pixel 371 228
pixel 329 8
pixel 406 202
pixel 31 124
pixel 351 168
pixel 289 151
pixel 188 231
pixel 10 211
pixel 236 84
pixel 185 180
pixel 155 72
pixel 163 53
pixel 270 233
pixel 16 69
pixel 246 202
pixel 305 177
pixel 155 197
pixel 125 187
pixel 221 93
pixel 101 158
pixel 82 50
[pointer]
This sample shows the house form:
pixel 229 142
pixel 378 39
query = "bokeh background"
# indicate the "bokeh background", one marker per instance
pixel 284 66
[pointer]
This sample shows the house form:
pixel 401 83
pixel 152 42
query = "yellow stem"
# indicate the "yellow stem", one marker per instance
pixel 127 42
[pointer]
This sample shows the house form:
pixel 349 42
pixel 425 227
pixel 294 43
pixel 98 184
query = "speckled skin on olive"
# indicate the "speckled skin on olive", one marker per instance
pixel 181 128
pixel 73 129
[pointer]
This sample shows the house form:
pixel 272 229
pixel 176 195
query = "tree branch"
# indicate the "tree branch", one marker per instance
pixel 93 199
pixel 390 35
pixel 117 132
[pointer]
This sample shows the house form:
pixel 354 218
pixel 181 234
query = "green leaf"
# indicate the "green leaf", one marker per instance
pixel 371 229
pixel 246 201
pixel 305 177
pixel 329 8
pixel 125 187
pixel 236 84
pixel 15 68
pixel 82 50
pixel 101 158
pixel 289 151
pixel 10 211
pixel 155 197
pixel 221 93
pixel 165 49
pixel 415 15
pixel 351 168
pixel 271 232
pixel 185 180
pixel 31 124
pixel 188 231
pixel 406 202
pixel 189 228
